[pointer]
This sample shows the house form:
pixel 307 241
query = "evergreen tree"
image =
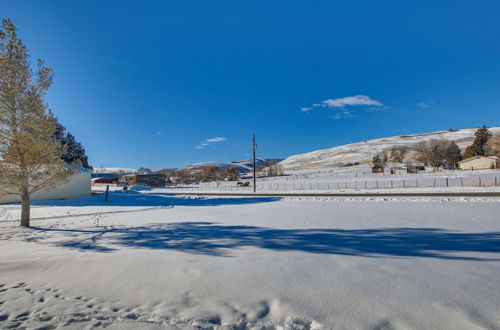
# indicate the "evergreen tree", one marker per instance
pixel 469 152
pixel 479 146
pixel 385 158
pixel 74 149
pixel 453 154
pixel 30 156
pixel 376 159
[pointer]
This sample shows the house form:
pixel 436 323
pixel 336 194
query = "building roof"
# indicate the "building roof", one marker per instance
pixel 104 175
pixel 478 157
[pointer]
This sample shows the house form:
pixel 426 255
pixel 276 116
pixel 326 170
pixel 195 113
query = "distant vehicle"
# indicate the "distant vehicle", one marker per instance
pixel 243 184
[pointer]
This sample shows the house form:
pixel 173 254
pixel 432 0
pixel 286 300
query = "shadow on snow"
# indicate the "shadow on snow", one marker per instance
pixel 218 240
pixel 136 198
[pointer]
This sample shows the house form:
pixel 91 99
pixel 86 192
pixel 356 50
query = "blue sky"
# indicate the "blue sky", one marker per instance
pixel 168 83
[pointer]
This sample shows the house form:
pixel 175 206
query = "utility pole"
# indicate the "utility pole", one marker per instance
pixel 254 146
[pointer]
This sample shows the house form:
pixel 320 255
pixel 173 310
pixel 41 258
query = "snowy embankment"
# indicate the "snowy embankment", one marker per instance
pixel 148 259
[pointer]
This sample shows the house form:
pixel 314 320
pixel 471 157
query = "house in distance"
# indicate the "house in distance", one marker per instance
pixel 377 168
pixel 146 180
pixel 478 163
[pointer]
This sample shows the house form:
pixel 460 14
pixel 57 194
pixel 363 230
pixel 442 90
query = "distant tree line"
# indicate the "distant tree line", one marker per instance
pixel 212 173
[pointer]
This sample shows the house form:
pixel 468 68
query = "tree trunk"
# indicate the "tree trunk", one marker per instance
pixel 25 209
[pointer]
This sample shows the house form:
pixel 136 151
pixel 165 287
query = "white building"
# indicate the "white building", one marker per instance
pixel 77 186
pixel 478 163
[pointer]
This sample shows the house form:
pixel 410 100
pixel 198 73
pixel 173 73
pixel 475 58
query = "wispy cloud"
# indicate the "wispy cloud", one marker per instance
pixel 351 101
pixel 216 139
pixel 342 114
pixel 423 105
pixel 342 103
pixel 211 141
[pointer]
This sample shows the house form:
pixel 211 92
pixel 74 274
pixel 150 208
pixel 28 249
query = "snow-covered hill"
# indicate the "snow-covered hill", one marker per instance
pixel 242 166
pixel 113 170
pixel 363 151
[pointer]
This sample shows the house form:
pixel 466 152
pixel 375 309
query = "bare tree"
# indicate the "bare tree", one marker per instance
pixel 437 152
pixel 168 172
pixel 275 169
pixel 182 176
pixel 206 174
pixel 398 153
pixel 230 174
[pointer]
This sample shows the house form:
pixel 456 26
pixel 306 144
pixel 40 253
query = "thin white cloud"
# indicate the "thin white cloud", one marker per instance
pixel 351 101
pixel 216 139
pixel 211 141
pixel 423 105
pixel 342 114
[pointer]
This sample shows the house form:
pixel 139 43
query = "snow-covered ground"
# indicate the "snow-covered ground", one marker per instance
pixel 148 259
pixel 359 178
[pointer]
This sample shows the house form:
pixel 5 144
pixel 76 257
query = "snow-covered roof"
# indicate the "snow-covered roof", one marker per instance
pixel 478 157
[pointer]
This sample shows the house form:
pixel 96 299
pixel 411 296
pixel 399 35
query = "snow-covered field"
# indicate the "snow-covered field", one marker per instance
pixel 148 259
pixel 358 178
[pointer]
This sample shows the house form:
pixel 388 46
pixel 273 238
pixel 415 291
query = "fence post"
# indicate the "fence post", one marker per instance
pixel 479 181
pixel 434 182
pixel 447 184
pixel 107 192
pixel 462 181
pixel 376 182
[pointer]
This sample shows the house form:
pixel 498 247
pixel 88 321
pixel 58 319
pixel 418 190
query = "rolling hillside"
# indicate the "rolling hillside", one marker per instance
pixel 361 152
pixel 242 166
